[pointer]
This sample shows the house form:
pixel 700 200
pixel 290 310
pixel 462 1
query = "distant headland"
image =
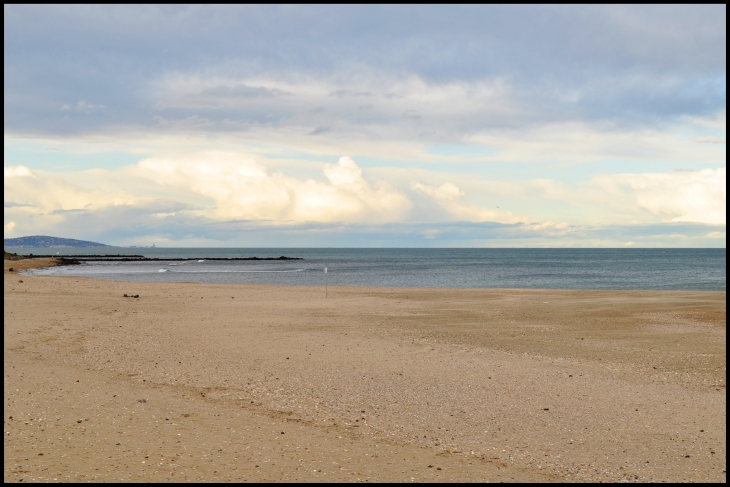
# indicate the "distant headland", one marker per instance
pixel 41 241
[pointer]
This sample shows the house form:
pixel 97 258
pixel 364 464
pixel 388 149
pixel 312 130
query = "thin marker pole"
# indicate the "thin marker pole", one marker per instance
pixel 326 292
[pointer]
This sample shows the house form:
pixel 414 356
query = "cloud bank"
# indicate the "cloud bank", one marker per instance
pixel 243 189
pixel 232 191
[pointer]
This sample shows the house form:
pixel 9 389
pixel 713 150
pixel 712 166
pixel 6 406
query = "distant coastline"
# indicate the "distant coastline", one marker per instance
pixel 44 241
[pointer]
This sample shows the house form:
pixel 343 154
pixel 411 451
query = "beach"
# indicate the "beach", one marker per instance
pixel 220 382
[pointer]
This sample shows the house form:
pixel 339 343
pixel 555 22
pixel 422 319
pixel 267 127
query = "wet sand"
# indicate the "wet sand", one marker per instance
pixel 252 383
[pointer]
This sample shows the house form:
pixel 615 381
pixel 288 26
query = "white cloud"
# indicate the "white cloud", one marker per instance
pixel 717 122
pixel 188 123
pixel 698 196
pixel 16 171
pixel 82 106
pixel 446 191
pixel 243 189
pixel 8 227
pixel 431 233
pixel 449 197
pixel 581 142
pixel 710 140
pixel 38 193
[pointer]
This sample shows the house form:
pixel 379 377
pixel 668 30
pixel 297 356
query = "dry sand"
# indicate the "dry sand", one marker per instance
pixel 252 383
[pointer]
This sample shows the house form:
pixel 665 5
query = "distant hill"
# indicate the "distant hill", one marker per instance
pixel 45 241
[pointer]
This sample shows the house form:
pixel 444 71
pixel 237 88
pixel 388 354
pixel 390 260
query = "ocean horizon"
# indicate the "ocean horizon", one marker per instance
pixel 586 269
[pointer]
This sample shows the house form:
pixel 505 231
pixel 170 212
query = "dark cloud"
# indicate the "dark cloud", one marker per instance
pixel 320 130
pixel 411 115
pixel 241 91
pixel 625 63
pixel 344 93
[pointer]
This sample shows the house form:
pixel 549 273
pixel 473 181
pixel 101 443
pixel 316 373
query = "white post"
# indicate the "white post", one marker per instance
pixel 326 292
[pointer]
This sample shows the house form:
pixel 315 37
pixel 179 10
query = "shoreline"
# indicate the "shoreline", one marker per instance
pixel 536 383
pixel 390 288
pixel 24 263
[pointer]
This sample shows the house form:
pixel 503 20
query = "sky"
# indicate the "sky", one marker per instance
pixel 367 126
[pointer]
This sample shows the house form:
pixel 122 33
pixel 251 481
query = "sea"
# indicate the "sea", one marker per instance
pixel 627 269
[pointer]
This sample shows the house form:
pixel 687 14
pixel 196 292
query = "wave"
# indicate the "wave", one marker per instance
pixel 162 270
pixel 229 271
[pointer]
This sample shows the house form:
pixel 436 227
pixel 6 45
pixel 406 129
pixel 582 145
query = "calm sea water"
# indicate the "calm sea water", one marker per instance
pixel 659 269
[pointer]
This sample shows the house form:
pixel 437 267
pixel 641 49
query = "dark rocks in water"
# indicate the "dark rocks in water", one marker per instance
pixel 79 259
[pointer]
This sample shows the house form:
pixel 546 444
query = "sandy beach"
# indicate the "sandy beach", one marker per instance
pixel 191 382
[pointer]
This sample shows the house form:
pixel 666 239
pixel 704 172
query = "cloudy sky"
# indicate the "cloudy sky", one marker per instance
pixel 490 126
